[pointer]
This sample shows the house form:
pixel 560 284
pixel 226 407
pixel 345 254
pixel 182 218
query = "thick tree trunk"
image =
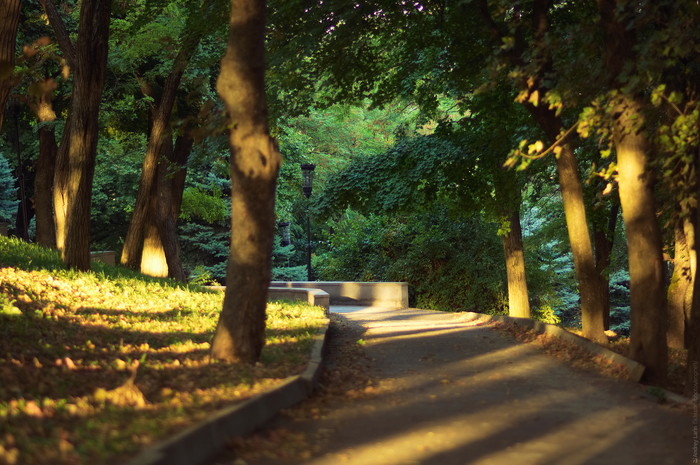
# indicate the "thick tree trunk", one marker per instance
pixel 161 248
pixel 646 267
pixel 647 283
pixel 518 302
pixel 159 133
pixel 692 378
pixel 9 20
pixel 678 290
pixel 254 163
pixel 603 237
pixel 75 160
pixel 689 227
pixel 166 223
pixel 592 308
pixel 42 107
pixel 43 188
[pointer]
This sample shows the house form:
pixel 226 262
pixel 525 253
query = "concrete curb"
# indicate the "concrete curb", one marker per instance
pixel 201 442
pixel 634 369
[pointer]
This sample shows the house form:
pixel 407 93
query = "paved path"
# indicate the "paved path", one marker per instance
pixel 450 392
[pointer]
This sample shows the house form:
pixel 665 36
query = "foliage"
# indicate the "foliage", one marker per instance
pixel 206 246
pixel 452 264
pixel 117 171
pixel 209 207
pixel 8 192
pixel 97 365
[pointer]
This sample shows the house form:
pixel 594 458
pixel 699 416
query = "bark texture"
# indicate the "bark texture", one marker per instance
pixel 518 301
pixel 647 282
pixel 43 188
pixel 9 20
pixel 693 329
pixel 680 291
pixel 75 160
pixel 254 163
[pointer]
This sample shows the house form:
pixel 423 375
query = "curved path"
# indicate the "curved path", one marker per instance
pixel 450 392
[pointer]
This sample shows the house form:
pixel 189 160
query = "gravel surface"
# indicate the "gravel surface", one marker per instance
pixel 426 387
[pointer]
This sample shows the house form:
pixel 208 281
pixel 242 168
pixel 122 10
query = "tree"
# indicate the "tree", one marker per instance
pixel 532 78
pixel 150 212
pixel 9 20
pixel 254 163
pixel 75 160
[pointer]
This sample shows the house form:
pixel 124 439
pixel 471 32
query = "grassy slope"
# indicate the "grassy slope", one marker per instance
pixel 93 366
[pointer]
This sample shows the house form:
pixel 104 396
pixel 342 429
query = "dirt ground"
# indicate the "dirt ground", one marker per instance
pixel 421 387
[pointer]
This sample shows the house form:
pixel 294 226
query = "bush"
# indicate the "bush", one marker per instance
pixel 450 264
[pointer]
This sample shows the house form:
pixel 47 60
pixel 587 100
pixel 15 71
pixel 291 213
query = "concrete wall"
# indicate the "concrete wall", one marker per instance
pixel 350 293
pixel 315 297
pixel 106 256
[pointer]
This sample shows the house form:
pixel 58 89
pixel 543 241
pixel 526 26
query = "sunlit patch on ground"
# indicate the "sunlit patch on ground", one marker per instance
pixel 94 367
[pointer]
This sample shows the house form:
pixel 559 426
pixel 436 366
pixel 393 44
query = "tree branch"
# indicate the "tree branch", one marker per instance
pixel 60 30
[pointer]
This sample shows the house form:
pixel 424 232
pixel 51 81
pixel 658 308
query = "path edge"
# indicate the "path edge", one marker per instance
pixel 634 369
pixel 201 442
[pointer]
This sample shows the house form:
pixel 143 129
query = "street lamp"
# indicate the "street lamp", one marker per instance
pixel 307 181
pixel 284 227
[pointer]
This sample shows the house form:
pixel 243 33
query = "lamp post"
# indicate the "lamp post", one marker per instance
pixel 284 227
pixel 307 181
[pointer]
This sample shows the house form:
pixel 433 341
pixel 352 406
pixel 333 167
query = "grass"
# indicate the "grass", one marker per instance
pixel 95 366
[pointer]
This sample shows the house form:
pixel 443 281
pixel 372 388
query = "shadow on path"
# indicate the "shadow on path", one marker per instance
pixel 448 392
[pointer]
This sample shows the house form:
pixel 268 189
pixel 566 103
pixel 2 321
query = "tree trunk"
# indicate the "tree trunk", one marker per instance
pixel 647 283
pixel 153 261
pixel 680 282
pixel 254 163
pixel 75 160
pixel 183 147
pixel 161 248
pixel 646 267
pixel 160 131
pixel 43 188
pixel 9 20
pixel 604 237
pixel 592 308
pixel 40 103
pixel 518 302
pixel 689 227
pixel 693 328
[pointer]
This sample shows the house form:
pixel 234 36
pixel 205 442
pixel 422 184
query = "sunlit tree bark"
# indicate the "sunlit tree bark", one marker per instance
pixel 518 301
pixel 9 20
pixel 647 283
pixel 75 160
pixel 160 234
pixel 680 291
pixel 254 164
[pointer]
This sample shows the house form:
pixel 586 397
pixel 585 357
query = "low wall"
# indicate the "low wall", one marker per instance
pixel 351 293
pixel 105 256
pixel 315 297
